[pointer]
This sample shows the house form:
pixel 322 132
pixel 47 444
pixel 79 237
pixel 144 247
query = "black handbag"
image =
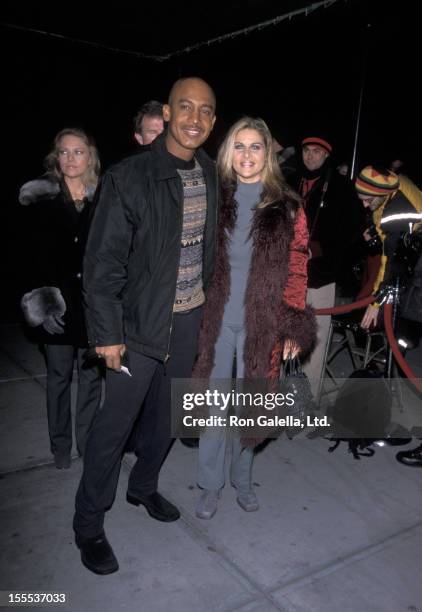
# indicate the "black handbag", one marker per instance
pixel 295 382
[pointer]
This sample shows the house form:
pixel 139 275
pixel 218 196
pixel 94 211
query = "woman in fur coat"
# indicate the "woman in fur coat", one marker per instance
pixel 59 213
pixel 255 308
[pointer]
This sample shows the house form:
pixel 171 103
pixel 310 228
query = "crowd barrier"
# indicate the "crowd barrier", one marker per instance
pixel 388 323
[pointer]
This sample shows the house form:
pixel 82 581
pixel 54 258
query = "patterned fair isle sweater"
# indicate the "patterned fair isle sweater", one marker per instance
pixel 189 291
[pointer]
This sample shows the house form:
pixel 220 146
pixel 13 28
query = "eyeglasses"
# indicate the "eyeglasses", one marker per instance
pixel 255 147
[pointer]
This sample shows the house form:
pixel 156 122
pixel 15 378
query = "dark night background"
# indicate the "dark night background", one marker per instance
pixel 299 75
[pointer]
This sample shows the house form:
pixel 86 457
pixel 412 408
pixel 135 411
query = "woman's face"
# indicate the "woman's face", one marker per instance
pixel 74 157
pixel 249 155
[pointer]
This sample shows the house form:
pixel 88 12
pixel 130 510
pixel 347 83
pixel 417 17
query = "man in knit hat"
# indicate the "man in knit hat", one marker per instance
pixel 396 204
pixel 334 225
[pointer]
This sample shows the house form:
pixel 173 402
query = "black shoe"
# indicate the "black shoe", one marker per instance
pixel 412 458
pixel 157 507
pixel 97 554
pixel 190 442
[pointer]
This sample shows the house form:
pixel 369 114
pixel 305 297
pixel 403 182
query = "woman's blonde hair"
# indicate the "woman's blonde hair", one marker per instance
pixel 274 186
pixel 51 162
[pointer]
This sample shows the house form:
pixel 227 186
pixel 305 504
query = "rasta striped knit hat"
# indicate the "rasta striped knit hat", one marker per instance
pixel 319 142
pixel 374 182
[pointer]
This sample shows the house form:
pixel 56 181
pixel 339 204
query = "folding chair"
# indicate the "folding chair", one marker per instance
pixel 347 327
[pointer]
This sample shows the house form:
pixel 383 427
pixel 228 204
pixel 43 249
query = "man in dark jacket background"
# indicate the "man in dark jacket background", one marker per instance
pixel 148 262
pixel 148 122
pixel 335 227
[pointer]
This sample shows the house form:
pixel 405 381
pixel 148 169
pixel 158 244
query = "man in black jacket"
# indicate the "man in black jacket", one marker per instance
pixel 148 262
pixel 335 226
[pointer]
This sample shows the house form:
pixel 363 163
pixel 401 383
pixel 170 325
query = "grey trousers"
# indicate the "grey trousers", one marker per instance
pixel 60 361
pixel 324 297
pixel 214 441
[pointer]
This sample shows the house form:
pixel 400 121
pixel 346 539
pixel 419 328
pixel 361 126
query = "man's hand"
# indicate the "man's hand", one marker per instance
pixel 290 349
pixel 112 355
pixel 370 317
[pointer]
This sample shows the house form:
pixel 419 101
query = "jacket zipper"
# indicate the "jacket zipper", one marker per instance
pixel 167 356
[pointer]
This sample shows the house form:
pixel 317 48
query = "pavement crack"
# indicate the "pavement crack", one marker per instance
pixel 349 559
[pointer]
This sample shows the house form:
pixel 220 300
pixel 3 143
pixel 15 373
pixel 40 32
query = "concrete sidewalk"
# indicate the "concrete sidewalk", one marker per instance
pixel 332 533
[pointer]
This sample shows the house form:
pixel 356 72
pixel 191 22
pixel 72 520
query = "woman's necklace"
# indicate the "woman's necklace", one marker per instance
pixel 78 199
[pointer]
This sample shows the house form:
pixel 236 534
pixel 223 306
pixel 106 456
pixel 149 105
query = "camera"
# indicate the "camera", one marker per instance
pixel 374 244
pixel 408 251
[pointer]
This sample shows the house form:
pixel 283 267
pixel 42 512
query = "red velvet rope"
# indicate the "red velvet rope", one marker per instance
pixel 346 307
pixel 388 322
pixel 409 373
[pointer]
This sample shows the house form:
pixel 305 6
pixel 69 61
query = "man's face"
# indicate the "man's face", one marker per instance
pixel 191 117
pixel 371 202
pixel 151 127
pixel 313 156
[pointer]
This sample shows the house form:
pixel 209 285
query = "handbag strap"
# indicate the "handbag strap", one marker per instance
pixel 291 366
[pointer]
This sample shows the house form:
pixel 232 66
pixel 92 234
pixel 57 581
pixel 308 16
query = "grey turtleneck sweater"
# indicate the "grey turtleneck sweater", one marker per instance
pixel 247 196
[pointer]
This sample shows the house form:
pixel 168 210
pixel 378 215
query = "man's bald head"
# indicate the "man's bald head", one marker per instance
pixel 184 82
pixel 190 114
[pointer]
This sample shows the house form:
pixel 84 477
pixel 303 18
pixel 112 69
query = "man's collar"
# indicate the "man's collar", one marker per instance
pixel 162 165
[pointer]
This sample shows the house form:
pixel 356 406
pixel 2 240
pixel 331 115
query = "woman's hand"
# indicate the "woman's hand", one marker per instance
pixel 370 317
pixel 290 349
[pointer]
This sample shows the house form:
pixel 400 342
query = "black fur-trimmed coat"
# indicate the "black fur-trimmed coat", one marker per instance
pixel 275 308
pixel 55 236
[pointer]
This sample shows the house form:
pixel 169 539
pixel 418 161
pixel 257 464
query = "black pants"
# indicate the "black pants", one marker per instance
pixel 60 361
pixel 114 423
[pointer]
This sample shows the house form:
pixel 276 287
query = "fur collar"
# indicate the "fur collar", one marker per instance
pixel 265 219
pixel 44 189
pixel 268 317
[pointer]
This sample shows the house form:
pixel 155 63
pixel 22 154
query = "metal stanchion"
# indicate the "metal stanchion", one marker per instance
pixel 392 298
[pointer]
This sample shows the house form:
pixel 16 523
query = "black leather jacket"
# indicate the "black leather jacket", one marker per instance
pixel 132 257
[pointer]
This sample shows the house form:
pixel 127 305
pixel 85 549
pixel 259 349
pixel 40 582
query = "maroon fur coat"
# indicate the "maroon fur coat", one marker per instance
pixel 275 308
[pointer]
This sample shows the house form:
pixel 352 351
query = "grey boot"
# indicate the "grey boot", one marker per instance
pixel 207 504
pixel 248 501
